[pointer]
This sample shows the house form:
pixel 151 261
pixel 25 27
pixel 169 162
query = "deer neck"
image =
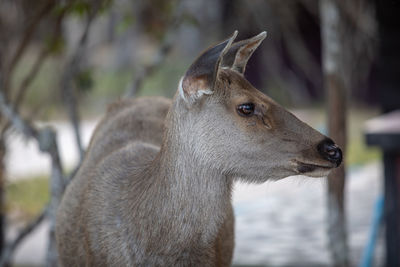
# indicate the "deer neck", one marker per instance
pixel 195 196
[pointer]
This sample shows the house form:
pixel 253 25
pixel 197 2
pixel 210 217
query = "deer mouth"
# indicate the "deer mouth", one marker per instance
pixel 311 169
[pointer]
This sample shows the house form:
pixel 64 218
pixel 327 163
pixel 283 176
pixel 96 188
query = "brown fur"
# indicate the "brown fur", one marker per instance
pixel 155 186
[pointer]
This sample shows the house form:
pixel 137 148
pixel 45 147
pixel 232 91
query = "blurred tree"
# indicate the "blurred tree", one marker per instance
pixel 346 31
pixel 289 65
pixel 50 15
pixel 333 37
pixel 21 35
pixel 44 30
pixel 166 40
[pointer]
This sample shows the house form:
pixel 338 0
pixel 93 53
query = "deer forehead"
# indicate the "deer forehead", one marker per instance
pixel 241 91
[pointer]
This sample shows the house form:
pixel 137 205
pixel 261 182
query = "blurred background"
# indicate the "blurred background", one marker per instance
pixel 333 63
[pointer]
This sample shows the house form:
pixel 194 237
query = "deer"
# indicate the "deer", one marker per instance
pixel 155 186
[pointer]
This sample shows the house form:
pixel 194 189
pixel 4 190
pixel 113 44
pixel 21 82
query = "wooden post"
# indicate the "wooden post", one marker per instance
pixel 2 195
pixel 332 45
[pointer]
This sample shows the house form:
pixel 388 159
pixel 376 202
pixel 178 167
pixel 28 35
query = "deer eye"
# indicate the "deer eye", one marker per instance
pixel 246 109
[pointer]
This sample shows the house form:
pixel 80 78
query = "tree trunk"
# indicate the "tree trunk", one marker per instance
pixel 332 45
pixel 48 143
pixel 2 194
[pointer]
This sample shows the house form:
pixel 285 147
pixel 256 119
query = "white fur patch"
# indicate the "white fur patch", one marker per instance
pixel 199 93
pixel 193 97
pixel 180 89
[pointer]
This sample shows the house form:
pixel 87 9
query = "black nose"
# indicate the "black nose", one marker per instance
pixel 330 151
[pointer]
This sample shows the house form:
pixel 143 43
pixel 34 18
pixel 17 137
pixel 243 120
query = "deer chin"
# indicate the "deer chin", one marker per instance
pixel 313 169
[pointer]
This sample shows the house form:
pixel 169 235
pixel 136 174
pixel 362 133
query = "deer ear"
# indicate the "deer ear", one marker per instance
pixel 201 75
pixel 240 52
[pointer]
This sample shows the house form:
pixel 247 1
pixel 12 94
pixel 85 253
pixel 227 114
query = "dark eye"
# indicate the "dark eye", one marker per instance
pixel 246 109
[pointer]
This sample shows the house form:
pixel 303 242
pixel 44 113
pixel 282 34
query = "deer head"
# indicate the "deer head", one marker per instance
pixel 232 127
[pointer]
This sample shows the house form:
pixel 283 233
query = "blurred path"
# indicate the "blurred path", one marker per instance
pixel 283 223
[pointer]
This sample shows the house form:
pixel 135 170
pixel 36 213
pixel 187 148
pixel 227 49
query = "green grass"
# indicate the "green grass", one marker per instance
pixel 26 198
pixel 358 153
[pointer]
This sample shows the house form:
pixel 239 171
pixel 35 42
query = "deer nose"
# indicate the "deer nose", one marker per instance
pixel 330 151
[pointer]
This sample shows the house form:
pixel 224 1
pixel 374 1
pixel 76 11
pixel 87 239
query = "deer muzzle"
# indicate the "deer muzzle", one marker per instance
pixel 330 151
